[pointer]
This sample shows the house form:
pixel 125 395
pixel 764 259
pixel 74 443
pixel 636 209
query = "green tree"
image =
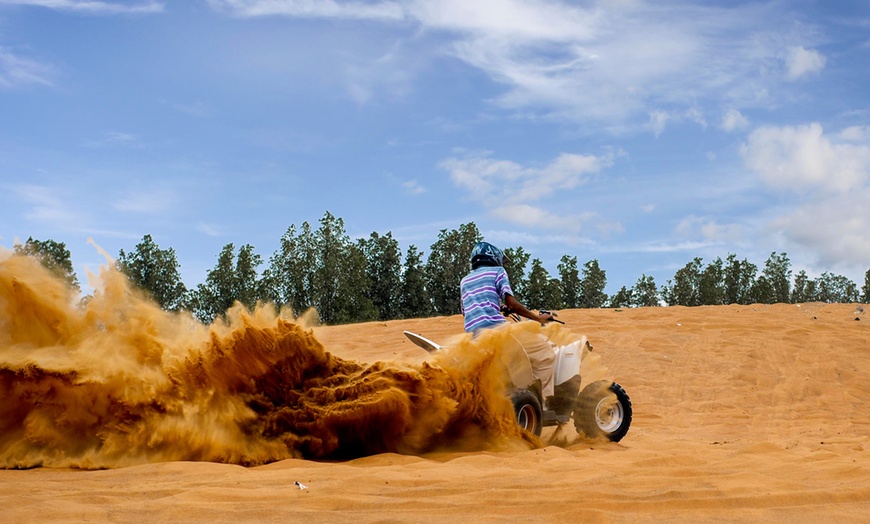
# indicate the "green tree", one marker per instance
pixel 155 271
pixel 777 277
pixel 384 270
pixel 290 276
pixel 622 298
pixel 685 289
pixel 711 284
pixel 553 296
pixel 355 287
pixel 762 291
pixel 248 289
pixel 449 261
pixel 803 290
pixel 229 281
pixel 645 293
pixel 593 282
pixel 53 256
pixel 516 261
pixel 739 280
pixel 833 288
pixel 340 288
pixel 569 282
pixel 414 298
pixel 865 291
pixel 330 241
pixel 543 292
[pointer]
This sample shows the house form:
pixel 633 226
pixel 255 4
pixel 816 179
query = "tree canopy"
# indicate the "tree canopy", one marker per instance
pixel 355 280
pixel 54 256
pixel 155 271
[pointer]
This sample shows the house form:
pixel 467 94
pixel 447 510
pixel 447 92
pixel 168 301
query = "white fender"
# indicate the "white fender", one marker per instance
pixel 423 342
pixel 568 361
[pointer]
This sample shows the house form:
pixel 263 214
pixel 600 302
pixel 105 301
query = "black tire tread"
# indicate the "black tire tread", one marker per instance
pixel 584 414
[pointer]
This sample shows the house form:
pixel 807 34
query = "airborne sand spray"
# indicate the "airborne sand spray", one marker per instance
pixel 118 381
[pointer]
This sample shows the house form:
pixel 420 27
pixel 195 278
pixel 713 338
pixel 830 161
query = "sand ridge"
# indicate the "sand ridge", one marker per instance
pixel 741 413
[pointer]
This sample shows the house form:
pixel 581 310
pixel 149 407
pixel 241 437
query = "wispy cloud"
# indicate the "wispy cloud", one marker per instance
pixel 311 8
pixel 207 229
pixel 509 190
pixel 196 108
pixel 413 187
pixel 48 206
pixel 657 122
pixel 146 202
pixel 610 62
pixel 114 139
pixel 497 182
pixel 17 71
pixel 92 6
pixel 857 134
pixel 710 230
pixel 389 73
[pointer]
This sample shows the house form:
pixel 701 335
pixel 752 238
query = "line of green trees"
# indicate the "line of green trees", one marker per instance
pixel 348 280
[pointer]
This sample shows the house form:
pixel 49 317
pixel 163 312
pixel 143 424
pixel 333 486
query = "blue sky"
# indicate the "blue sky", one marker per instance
pixel 639 133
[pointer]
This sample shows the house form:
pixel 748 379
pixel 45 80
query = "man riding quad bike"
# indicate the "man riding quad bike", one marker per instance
pixel 544 377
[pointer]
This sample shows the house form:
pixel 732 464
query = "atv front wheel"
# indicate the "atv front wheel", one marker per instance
pixel 528 411
pixel 603 411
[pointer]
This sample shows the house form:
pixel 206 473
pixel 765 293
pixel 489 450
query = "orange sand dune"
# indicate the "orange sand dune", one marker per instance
pixel 741 413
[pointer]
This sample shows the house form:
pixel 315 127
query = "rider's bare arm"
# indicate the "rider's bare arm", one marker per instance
pixel 521 310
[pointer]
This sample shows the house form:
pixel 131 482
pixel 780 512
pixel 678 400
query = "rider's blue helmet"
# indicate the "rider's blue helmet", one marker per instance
pixel 486 254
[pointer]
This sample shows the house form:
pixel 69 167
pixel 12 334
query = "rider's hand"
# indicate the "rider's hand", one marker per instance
pixel 546 317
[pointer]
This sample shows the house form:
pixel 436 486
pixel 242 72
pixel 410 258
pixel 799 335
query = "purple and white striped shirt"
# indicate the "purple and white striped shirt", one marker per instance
pixel 482 292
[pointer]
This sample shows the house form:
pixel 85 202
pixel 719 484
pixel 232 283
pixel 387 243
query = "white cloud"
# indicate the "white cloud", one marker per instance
pixel 505 182
pixel 658 247
pixel 16 71
pixel 733 120
pixel 536 237
pixel 611 62
pixel 508 189
pixel 801 62
pixel 413 187
pixel 114 139
pixel 389 73
pixel 709 230
pixel 311 8
pixel 696 115
pixel 832 229
pixel 196 108
pixel 92 6
pixel 146 202
pixel 657 122
pixel 207 229
pixel 510 19
pixel 802 157
pixel 856 134
pixel 830 221
pixel 527 215
pixel 49 206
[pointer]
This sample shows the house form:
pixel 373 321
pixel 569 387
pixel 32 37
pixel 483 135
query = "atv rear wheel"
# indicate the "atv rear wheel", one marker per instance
pixel 603 411
pixel 528 411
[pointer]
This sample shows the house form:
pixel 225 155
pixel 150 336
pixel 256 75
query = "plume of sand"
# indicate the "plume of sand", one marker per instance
pixel 118 381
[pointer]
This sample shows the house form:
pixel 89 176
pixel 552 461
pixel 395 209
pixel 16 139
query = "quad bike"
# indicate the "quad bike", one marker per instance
pixel 601 410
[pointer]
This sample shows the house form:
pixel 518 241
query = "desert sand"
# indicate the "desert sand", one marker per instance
pixel 741 414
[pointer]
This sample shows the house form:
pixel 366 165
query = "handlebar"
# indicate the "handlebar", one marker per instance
pixel 552 318
pixel 509 313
